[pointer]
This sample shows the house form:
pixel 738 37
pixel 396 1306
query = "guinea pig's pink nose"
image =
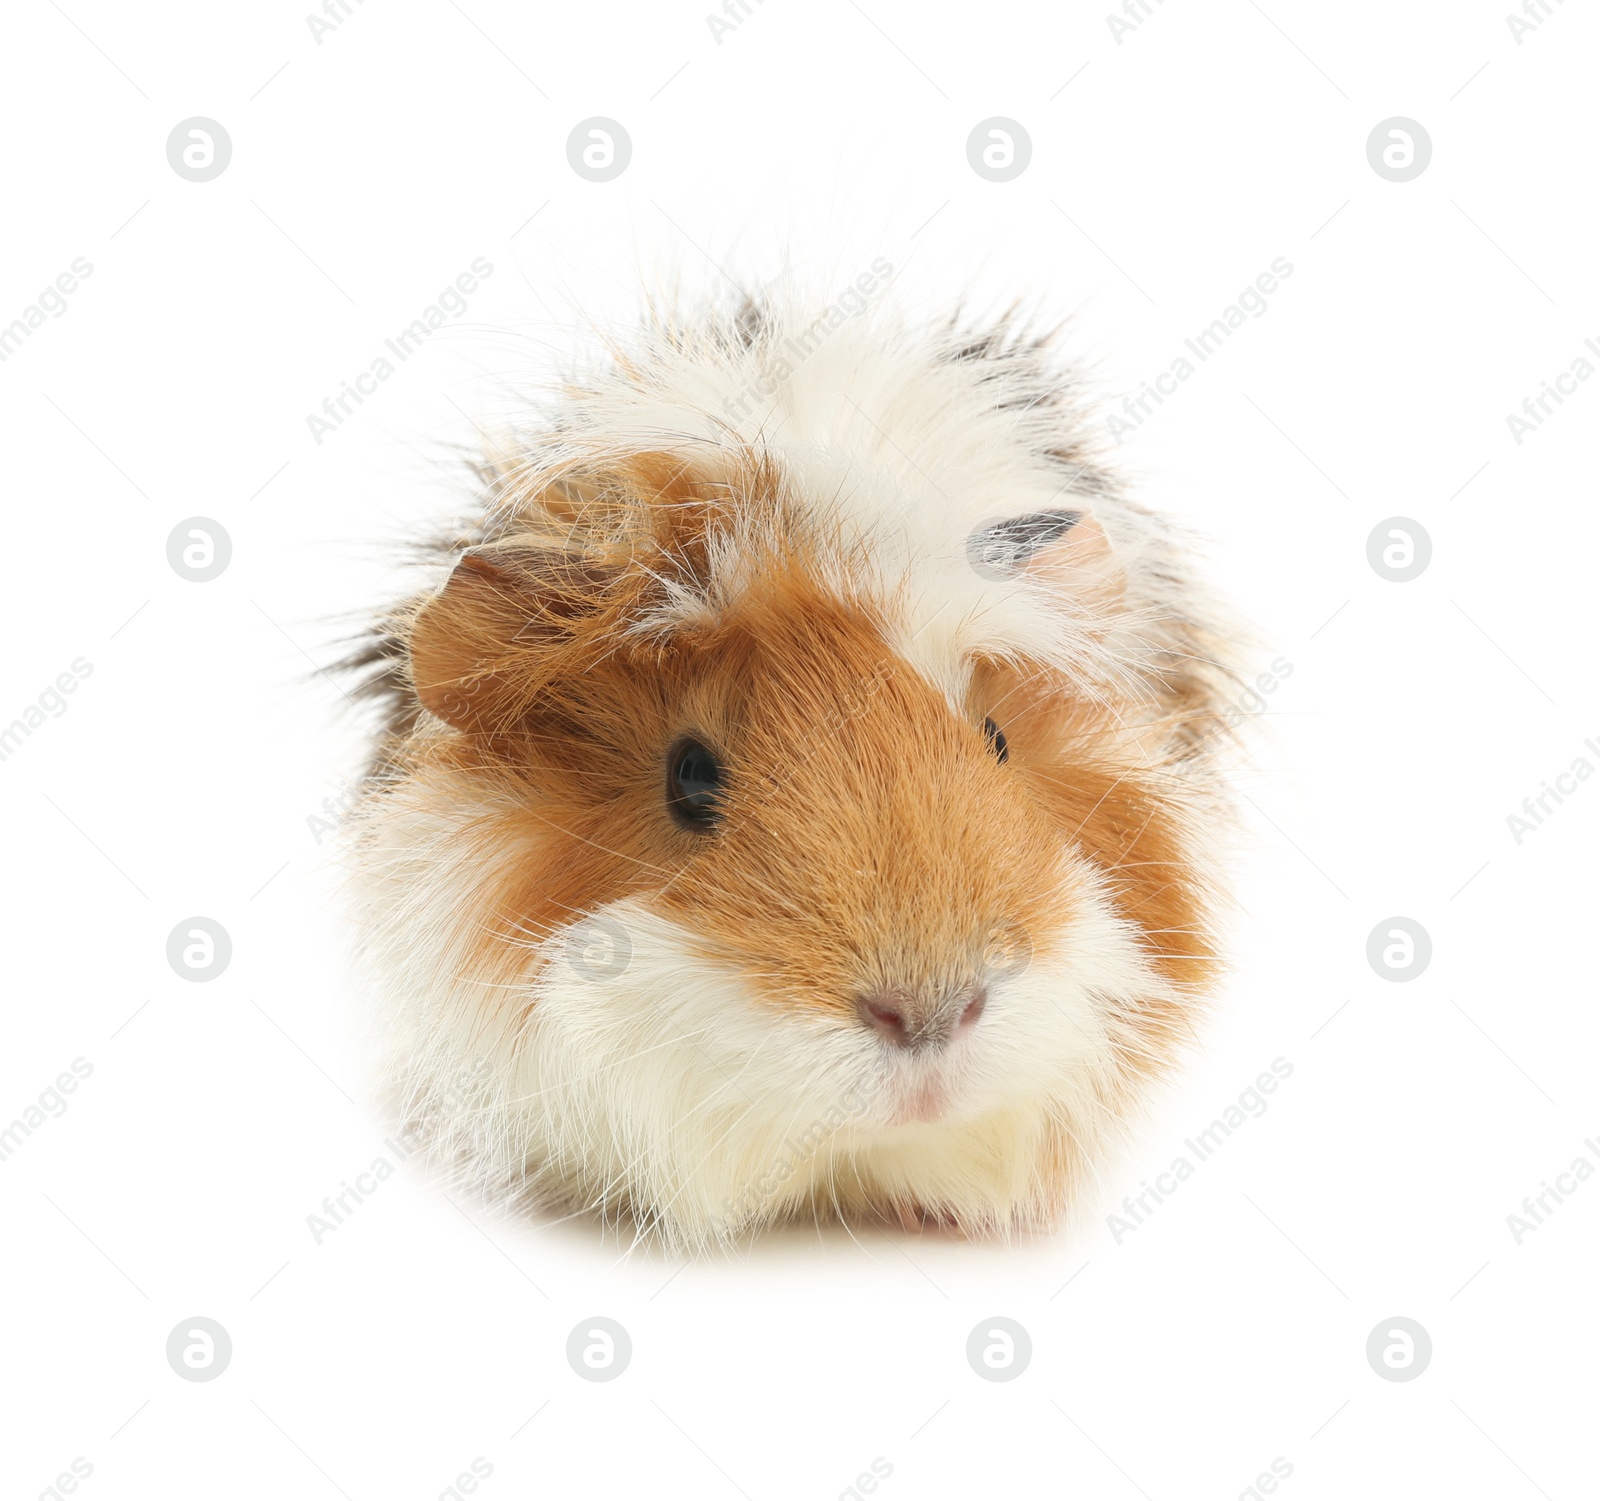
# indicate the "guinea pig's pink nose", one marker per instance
pixel 903 1018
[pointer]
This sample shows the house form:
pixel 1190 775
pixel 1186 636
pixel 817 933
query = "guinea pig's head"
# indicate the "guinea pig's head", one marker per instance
pixel 745 829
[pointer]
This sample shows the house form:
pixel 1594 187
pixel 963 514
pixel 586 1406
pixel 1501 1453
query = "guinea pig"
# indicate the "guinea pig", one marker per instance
pixel 801 795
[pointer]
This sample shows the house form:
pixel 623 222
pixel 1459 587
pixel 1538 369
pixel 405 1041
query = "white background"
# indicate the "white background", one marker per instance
pixel 1168 170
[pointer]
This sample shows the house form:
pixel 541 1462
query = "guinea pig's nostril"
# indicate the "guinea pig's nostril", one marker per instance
pixel 883 1015
pixel 901 1018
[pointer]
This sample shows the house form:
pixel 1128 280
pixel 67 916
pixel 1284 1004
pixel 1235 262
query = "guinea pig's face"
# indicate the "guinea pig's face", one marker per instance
pixel 860 848
pixel 847 859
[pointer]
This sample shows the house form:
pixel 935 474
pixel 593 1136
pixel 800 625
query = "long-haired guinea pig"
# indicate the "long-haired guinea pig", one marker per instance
pixel 801 789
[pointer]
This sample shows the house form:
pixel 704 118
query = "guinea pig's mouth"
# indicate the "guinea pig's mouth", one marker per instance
pixel 925 1090
pixel 924 1099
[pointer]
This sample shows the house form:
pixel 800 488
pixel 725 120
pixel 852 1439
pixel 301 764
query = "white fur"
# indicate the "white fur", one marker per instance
pixel 907 453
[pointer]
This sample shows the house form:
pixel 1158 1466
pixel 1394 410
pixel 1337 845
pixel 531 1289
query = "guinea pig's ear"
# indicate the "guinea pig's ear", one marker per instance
pixel 1066 550
pixel 475 643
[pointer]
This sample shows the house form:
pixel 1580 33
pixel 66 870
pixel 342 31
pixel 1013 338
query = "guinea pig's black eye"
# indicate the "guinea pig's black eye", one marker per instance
pixel 997 740
pixel 694 785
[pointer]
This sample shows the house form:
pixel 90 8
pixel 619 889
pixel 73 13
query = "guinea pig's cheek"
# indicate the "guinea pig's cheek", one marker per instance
pixel 647 1010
